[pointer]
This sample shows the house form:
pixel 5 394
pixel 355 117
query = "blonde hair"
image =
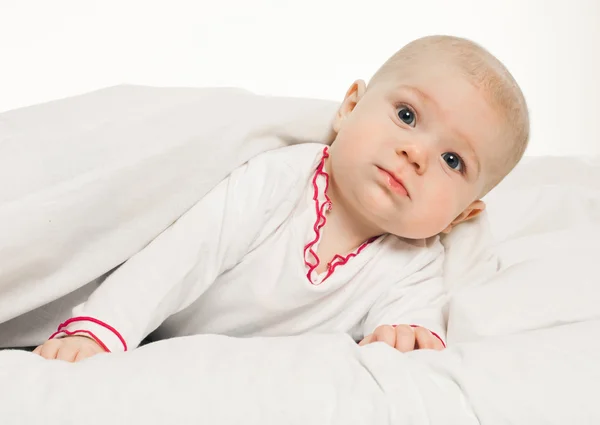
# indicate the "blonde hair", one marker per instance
pixel 486 72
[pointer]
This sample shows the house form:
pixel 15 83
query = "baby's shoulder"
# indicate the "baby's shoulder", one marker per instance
pixel 275 177
pixel 295 158
pixel 287 166
pixel 402 258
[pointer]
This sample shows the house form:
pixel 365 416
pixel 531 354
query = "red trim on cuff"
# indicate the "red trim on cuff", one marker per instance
pixel 93 320
pixel 82 331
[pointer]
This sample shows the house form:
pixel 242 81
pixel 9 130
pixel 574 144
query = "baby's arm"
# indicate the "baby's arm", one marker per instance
pixel 175 268
pixel 410 315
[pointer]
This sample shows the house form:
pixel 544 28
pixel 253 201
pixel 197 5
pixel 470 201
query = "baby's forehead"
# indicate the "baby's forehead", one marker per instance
pixel 430 82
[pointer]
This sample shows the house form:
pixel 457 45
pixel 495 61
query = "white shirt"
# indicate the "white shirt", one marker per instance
pixel 241 263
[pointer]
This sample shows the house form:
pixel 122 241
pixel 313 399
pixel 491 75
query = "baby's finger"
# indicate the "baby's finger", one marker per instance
pixel 425 339
pixel 49 349
pixel 84 354
pixel 438 344
pixel 67 354
pixel 38 350
pixel 405 338
pixel 385 334
pixel 366 340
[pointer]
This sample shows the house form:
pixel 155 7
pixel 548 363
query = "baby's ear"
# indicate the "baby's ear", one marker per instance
pixel 473 210
pixel 353 95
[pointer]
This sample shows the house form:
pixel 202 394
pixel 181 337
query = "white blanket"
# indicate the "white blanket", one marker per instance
pixel 113 168
pixel 90 180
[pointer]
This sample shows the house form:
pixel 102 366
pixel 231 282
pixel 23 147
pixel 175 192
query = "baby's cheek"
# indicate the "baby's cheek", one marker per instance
pixel 376 197
pixel 440 213
pixel 428 224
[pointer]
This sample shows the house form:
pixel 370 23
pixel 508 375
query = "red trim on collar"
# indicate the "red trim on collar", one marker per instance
pixel 321 219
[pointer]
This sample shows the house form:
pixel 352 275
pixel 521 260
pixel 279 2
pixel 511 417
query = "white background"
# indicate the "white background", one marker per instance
pixel 53 49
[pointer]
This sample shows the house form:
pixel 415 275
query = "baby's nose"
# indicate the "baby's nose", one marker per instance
pixel 415 155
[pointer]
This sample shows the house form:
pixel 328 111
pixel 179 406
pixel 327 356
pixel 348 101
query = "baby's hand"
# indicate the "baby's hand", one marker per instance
pixel 404 338
pixel 70 348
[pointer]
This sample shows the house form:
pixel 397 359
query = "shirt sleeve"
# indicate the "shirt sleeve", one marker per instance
pixel 178 266
pixel 417 300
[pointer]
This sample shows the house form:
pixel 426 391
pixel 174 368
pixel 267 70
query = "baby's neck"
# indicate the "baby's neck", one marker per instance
pixel 344 231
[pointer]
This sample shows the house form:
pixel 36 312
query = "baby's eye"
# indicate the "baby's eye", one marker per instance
pixel 407 116
pixel 454 161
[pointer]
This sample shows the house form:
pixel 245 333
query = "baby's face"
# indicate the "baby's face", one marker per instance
pixel 411 156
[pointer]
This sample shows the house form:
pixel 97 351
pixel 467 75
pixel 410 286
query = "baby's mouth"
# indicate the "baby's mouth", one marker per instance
pixel 394 182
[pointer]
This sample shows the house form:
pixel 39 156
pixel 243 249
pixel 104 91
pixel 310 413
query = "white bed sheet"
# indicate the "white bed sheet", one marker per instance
pixel 523 321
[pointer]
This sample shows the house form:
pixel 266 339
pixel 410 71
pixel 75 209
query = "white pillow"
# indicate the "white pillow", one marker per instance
pixel 545 194
pixel 544 224
pixel 556 286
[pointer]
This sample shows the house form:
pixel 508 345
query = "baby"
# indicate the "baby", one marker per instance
pixel 328 239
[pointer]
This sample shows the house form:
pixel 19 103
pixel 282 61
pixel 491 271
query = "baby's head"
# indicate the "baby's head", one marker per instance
pixel 439 125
